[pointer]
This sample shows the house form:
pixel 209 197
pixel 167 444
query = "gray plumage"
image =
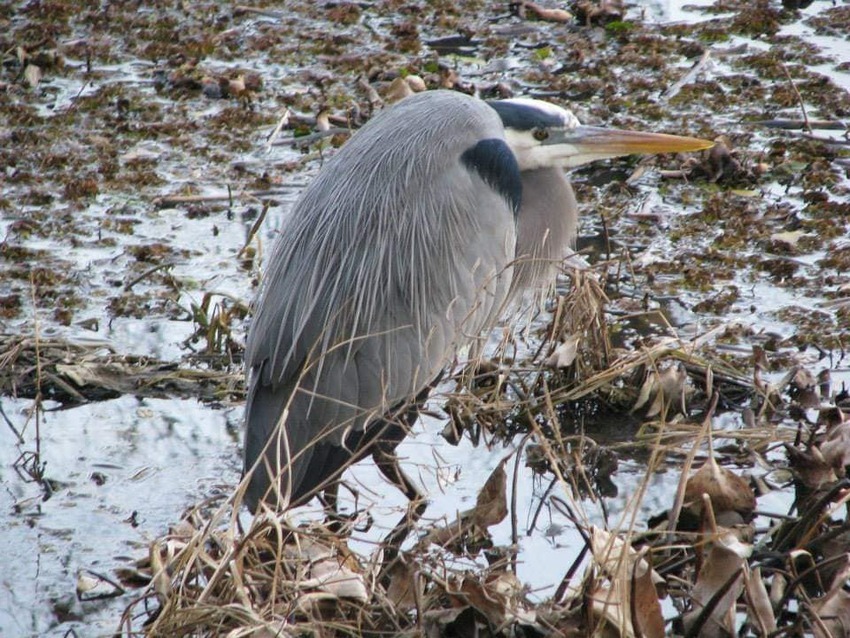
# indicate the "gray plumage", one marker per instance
pixel 407 245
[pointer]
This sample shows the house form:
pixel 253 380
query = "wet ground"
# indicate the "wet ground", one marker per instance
pixel 139 192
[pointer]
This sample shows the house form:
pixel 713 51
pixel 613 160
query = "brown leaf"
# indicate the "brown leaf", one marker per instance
pixel 722 568
pixel 236 86
pixel 499 598
pixel 398 90
pixel 789 238
pixel 491 506
pixel 403 585
pixel 647 608
pixel 830 416
pixel 491 603
pixel 416 83
pixel 664 391
pixel 834 546
pixel 833 609
pixel 549 15
pixel 803 389
pixel 94 586
pixel 32 75
pixel 457 621
pixel 836 447
pixel 470 528
pixel 760 610
pixel 160 578
pixel 627 572
pixel 330 577
pixel 565 353
pixel 810 468
pixel 599 12
pixel 727 491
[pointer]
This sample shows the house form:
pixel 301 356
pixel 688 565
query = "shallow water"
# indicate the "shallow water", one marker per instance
pixel 160 456
pixel 126 468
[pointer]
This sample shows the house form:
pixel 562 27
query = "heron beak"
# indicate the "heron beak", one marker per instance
pixel 585 144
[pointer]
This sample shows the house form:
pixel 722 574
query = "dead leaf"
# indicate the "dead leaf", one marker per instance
pixel 375 100
pixel 830 416
pixel 490 603
pixel 398 90
pixel 599 12
pixel 491 506
pixel 804 569
pixel 627 572
pixel 457 621
pixel 790 238
pixel 330 577
pixel 810 469
pixel 722 569
pixel 524 7
pixel 32 75
pixel 316 604
pixel 728 491
pixel 236 86
pixel 161 581
pixel 804 389
pixel 833 609
pixel 830 550
pixel 836 448
pixel 403 586
pixel 309 550
pixel 720 162
pixel 468 530
pixel 759 610
pixel 664 392
pixel 416 83
pixel 323 121
pixel 94 586
pixel 566 352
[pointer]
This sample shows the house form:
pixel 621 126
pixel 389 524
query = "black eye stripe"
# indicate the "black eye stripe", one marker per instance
pixel 525 117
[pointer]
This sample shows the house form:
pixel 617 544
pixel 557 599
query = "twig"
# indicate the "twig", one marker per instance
pixel 795 125
pixel 540 505
pixel 826 140
pixel 37 474
pixel 173 200
pixel 306 140
pixel 514 532
pixel 240 9
pixel 117 590
pixel 686 468
pixel 11 425
pixel 690 75
pixel 254 228
pixel 75 101
pixel 817 569
pixel 283 121
pixel 128 287
pixel 806 123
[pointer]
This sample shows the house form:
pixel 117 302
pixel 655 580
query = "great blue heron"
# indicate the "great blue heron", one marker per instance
pixel 407 245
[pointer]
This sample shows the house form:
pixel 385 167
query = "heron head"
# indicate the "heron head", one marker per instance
pixel 544 135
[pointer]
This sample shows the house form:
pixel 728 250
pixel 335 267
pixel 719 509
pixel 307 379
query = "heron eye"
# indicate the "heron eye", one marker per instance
pixel 540 134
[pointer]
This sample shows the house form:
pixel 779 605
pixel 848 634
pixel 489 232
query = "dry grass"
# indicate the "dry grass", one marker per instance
pixel 211 577
pixel 78 372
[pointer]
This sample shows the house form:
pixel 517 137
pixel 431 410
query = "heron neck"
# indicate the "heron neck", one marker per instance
pixel 546 226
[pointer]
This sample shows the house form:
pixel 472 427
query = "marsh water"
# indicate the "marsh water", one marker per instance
pixel 116 473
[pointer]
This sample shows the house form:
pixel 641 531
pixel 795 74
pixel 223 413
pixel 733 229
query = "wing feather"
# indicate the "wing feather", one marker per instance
pixel 376 277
